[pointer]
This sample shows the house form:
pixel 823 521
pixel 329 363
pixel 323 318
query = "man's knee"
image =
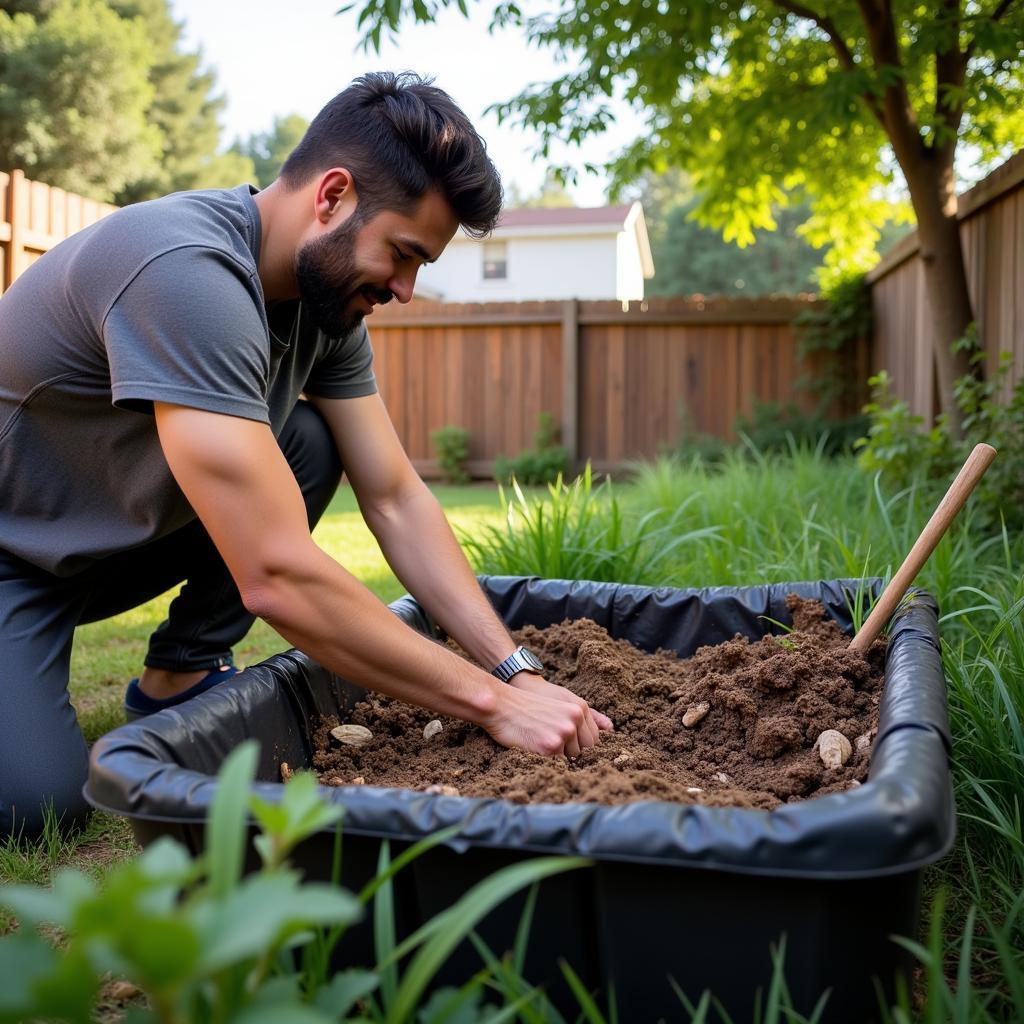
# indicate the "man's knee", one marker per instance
pixel 29 798
pixel 309 447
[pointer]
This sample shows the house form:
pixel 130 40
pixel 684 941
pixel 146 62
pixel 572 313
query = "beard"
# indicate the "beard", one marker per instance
pixel 328 280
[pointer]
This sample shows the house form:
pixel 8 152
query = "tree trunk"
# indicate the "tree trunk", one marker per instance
pixel 933 195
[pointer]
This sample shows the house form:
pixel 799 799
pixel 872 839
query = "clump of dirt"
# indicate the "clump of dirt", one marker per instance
pixel 767 703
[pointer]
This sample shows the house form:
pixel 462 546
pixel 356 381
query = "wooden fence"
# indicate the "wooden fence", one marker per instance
pixel 34 217
pixel 621 382
pixel 992 230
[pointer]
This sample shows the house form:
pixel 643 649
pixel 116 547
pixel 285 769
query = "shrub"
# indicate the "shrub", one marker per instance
pixel 542 464
pixel 898 446
pixel 835 330
pixel 777 428
pixel 452 446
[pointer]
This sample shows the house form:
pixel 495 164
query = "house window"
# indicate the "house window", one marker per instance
pixel 495 261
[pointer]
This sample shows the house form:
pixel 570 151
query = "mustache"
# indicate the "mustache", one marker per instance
pixel 379 295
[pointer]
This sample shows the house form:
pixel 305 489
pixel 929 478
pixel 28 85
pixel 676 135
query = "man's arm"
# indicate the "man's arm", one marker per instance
pixel 418 542
pixel 237 480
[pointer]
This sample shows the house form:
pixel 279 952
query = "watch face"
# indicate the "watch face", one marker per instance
pixel 532 660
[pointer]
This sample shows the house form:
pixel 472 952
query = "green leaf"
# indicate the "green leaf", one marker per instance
pixel 387 872
pixel 226 827
pixel 162 951
pixel 301 812
pixel 345 990
pixel 25 959
pixel 587 1005
pixel 277 1013
pixel 69 990
pixel 264 910
pixel 448 929
pixel 384 929
pixel 453 1005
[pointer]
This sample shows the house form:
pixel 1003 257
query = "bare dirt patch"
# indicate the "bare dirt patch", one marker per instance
pixel 753 745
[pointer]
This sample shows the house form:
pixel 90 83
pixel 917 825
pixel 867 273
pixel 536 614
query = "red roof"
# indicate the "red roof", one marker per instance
pixel 538 217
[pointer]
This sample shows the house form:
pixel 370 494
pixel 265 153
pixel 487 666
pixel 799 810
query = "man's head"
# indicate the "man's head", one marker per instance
pixel 397 168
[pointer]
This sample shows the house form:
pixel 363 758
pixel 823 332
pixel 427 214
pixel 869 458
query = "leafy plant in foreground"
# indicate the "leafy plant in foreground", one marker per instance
pixel 209 944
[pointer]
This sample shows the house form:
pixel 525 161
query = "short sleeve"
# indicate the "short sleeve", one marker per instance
pixel 344 368
pixel 189 329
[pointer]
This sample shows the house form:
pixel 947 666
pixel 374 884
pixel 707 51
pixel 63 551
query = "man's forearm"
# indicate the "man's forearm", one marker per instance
pixel 321 609
pixel 420 547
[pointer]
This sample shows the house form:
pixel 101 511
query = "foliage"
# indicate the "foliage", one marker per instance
pixel 767 104
pixel 776 428
pixel 75 97
pixel 99 98
pixel 579 532
pixel 693 259
pixel 185 112
pixel 268 150
pixel 835 329
pixel 895 444
pixel 206 943
pixel 452 446
pixel 898 446
pixel 544 463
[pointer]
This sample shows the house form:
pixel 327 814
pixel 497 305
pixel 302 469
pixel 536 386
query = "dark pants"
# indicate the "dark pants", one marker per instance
pixel 43 756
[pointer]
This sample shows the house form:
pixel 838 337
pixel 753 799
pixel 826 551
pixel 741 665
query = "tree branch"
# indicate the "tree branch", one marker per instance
pixel 1001 9
pixel 843 52
pixel 951 71
pixel 900 120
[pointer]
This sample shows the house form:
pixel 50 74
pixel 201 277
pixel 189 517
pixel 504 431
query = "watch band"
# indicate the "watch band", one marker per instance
pixel 520 660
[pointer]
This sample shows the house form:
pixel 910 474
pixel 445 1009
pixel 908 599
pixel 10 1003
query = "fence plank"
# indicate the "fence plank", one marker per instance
pixel 992 236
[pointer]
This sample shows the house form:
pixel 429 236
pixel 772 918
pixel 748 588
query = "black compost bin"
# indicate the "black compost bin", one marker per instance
pixel 696 893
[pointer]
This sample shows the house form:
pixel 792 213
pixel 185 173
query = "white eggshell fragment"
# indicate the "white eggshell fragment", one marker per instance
pixel 352 735
pixel 833 748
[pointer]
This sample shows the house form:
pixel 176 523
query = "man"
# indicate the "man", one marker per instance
pixel 151 431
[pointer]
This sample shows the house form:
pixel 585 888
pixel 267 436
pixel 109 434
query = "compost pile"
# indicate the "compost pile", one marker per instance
pixel 734 725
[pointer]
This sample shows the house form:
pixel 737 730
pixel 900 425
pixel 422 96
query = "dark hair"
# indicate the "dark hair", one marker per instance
pixel 400 136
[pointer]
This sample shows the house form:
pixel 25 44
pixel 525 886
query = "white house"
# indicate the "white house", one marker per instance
pixel 535 254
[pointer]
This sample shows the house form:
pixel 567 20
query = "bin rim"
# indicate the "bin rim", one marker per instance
pixel 908 735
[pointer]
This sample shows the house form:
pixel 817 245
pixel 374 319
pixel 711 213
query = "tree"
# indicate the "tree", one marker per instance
pixel 98 97
pixel 774 101
pixel 74 94
pixel 692 259
pixel 185 111
pixel 268 150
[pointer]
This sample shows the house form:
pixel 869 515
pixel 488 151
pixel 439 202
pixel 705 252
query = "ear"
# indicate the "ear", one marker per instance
pixel 335 195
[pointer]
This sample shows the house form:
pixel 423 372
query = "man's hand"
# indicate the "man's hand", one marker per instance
pixel 548 719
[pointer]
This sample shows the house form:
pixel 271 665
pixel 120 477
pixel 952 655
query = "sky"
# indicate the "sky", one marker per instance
pixel 277 57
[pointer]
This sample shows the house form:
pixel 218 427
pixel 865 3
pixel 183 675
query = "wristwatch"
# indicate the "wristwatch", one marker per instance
pixel 520 660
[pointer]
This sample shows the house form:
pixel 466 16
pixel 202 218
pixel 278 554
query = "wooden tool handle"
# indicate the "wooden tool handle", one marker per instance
pixel 973 470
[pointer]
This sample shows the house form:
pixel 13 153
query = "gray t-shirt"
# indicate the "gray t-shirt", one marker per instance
pixel 157 302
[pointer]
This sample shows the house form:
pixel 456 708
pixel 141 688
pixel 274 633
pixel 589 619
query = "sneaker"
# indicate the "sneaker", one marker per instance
pixel 138 704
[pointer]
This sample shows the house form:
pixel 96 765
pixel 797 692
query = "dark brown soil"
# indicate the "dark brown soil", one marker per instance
pixel 769 701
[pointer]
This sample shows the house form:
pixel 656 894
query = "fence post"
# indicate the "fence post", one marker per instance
pixel 12 258
pixel 571 380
